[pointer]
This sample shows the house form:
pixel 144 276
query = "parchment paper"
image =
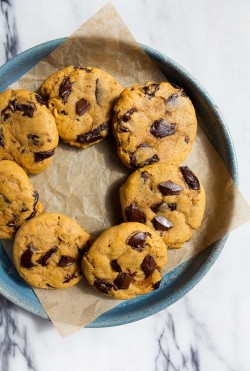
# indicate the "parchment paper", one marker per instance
pixel 84 184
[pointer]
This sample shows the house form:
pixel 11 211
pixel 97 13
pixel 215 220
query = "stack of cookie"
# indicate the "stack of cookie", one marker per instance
pixel 162 202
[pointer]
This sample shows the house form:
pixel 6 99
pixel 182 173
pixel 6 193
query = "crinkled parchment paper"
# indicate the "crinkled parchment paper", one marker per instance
pixel 84 184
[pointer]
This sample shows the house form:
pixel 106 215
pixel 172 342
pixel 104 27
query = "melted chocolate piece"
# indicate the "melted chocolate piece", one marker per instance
pixel 127 115
pixel 40 100
pixel 150 90
pixel 161 129
pixel 6 116
pixel 5 199
pixel 156 285
pixel 52 287
pixel 135 214
pixel 31 215
pixel 123 281
pixel 1 138
pixel 23 209
pixel 155 207
pixel 115 266
pixel 65 261
pixel 65 89
pixel 172 97
pixel 161 223
pixel 97 92
pixel 148 265
pixel 40 156
pixel 122 129
pixel 169 188
pixel 186 139
pixel 183 94
pixel 82 106
pixel 172 206
pixel 93 135
pixel 103 286
pixel 64 113
pixel 27 109
pixel 34 138
pixel 138 241
pixel 69 277
pixel 82 68
pixel 144 175
pixel 43 260
pixel 26 257
pixel 134 165
pixel 191 180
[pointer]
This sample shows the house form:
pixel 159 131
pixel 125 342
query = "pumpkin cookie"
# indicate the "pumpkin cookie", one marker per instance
pixel 82 101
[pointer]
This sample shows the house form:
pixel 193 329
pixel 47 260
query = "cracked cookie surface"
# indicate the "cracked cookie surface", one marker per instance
pixel 167 198
pixel 18 199
pixel 28 133
pixel 81 100
pixel 125 261
pixel 48 251
pixel 154 123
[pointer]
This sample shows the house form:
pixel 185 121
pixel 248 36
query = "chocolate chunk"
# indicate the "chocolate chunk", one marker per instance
pixel 172 97
pixel 12 105
pixel 144 175
pixel 43 260
pixel 138 241
pixel 27 109
pixel 122 129
pixel 93 135
pixel 123 281
pixel 64 113
pixel 161 129
pixel 135 214
pixel 161 223
pixel 65 261
pixel 5 199
pixel 156 285
pixel 186 139
pixel 155 207
pixel 115 266
pixel 82 68
pixel 127 115
pixel 1 137
pixel 191 180
pixel 52 287
pixel 82 106
pixel 133 161
pixel 179 88
pixel 6 116
pixel 40 100
pixel 151 89
pixel 65 89
pixel 34 138
pixel 169 188
pixel 103 286
pixel 40 156
pixel 23 209
pixel 151 160
pixel 148 265
pixel 135 165
pixel 172 206
pixel 69 277
pixel 97 91
pixel 11 224
pixel 26 257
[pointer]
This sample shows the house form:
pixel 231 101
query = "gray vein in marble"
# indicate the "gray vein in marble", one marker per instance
pixel 10 41
pixel 13 338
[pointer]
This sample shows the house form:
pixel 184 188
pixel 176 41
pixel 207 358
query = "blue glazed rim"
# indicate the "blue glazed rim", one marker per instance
pixel 182 279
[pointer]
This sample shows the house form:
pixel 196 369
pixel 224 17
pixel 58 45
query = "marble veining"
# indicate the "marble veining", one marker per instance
pixel 208 330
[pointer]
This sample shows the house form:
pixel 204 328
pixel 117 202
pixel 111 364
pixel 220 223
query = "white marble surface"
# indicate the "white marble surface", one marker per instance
pixel 209 329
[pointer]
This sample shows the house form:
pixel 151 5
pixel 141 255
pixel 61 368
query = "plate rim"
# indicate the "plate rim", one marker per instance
pixel 191 283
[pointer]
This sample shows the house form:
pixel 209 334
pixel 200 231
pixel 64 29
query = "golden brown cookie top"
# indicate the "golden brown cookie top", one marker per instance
pixel 154 123
pixel 125 261
pixel 28 133
pixel 81 100
pixel 48 251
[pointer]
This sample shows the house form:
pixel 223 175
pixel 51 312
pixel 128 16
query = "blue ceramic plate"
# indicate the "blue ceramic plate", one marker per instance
pixel 182 279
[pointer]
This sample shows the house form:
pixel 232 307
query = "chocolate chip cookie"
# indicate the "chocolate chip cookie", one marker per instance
pixel 28 133
pixel 48 251
pixel 167 198
pixel 18 199
pixel 154 123
pixel 82 101
pixel 125 261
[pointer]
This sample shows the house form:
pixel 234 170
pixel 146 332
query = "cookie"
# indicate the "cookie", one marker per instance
pixel 154 123
pixel 48 250
pixel 28 133
pixel 82 101
pixel 167 198
pixel 125 261
pixel 18 199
